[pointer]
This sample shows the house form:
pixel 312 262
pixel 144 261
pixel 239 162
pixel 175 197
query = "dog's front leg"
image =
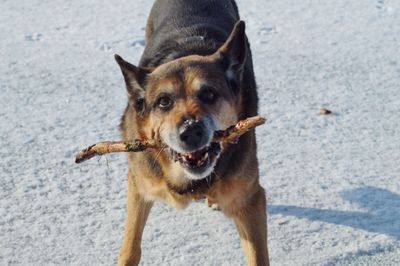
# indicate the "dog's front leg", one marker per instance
pixel 251 223
pixel 138 211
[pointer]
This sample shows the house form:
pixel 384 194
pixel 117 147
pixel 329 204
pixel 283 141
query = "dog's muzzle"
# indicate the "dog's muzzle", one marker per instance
pixel 194 151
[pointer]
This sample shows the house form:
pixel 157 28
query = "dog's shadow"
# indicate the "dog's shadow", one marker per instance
pixel 381 215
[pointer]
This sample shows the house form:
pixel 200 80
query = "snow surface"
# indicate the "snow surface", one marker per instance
pixel 333 181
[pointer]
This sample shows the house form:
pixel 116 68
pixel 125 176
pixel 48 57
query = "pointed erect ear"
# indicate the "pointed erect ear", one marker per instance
pixel 134 76
pixel 232 55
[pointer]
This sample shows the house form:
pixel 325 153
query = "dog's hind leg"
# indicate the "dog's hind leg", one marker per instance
pixel 251 223
pixel 138 211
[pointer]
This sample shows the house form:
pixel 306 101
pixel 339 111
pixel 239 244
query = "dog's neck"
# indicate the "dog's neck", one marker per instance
pixel 194 187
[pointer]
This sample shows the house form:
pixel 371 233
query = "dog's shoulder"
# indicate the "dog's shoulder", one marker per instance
pixel 184 12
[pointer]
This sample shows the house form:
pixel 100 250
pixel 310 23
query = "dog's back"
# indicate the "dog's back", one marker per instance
pixel 176 28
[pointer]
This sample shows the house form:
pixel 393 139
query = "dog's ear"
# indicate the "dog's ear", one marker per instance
pixel 232 55
pixel 135 78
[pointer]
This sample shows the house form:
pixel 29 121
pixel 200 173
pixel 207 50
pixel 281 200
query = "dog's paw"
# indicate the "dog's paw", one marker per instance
pixel 212 205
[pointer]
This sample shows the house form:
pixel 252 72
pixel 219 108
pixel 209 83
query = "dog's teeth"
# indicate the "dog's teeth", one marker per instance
pixel 203 159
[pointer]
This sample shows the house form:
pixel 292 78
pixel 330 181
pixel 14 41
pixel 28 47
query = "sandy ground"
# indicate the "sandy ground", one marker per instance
pixel 333 181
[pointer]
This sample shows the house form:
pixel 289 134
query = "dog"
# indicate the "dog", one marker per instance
pixel 195 77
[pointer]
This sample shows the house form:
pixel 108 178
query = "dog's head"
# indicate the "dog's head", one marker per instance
pixel 184 101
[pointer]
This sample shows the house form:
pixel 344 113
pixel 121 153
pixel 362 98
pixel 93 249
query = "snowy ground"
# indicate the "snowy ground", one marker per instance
pixel 333 181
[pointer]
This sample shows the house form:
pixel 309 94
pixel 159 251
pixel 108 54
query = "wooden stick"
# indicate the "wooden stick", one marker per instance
pixel 115 146
pixel 231 135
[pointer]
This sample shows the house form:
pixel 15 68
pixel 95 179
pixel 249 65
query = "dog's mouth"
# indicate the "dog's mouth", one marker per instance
pixel 198 161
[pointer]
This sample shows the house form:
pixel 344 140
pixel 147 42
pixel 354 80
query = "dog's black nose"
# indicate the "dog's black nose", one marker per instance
pixel 193 134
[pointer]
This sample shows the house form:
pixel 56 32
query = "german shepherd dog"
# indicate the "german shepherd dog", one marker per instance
pixel 195 77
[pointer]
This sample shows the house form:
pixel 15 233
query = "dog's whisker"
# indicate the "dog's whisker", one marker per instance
pixel 158 155
pixel 217 175
pixel 208 179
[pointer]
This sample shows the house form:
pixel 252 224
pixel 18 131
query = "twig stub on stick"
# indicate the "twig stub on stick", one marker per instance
pixel 230 135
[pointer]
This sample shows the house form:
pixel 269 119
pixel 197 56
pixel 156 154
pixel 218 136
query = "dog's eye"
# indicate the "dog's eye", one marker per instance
pixel 164 103
pixel 208 96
